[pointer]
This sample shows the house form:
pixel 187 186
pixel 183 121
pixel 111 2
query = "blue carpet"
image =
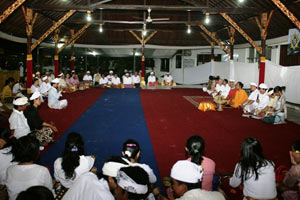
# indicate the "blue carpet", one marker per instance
pixel 115 117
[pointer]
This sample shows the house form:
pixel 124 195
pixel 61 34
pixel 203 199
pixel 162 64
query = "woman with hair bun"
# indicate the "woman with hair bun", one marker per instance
pixel 73 163
pixel 194 147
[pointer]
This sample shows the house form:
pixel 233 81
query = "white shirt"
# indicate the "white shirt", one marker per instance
pixel 168 79
pixel 253 95
pixel 89 187
pixel 33 89
pixel 44 87
pixel 53 96
pixel 116 81
pixel 97 78
pixel 218 87
pixel 263 100
pixel 136 79
pixel 62 83
pixel 196 194
pixel 127 80
pixel 225 90
pixel 6 158
pixel 21 71
pixel 262 188
pixel 103 81
pixel 87 77
pixel 151 79
pixel 109 78
pixel 85 165
pixel 22 177
pixel 18 122
pixel 17 88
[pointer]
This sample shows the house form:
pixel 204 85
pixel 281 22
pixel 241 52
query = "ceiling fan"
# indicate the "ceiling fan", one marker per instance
pixel 150 20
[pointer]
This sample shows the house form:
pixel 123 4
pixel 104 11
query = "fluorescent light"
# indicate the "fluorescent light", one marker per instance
pixel 207 20
pixel 94 53
pixel 88 16
pixel 189 29
pixel 100 28
pixel 241 1
pixel 59 45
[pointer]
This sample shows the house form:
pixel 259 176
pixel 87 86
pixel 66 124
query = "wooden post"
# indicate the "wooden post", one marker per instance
pixel 288 13
pixel 72 51
pixel 56 58
pixel 231 33
pixel 29 20
pixel 11 9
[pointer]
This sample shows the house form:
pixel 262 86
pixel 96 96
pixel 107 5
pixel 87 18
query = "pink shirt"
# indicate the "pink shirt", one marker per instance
pixel 208 166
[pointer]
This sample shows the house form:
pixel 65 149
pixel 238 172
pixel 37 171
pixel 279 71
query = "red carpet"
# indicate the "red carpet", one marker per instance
pixel 171 119
pixel 78 103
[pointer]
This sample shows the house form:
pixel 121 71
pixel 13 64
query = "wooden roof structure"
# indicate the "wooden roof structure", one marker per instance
pixel 119 17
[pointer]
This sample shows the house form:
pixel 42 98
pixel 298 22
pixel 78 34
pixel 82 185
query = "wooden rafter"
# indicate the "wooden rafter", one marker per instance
pixel 242 32
pixel 264 23
pixel 11 9
pixel 74 38
pixel 213 37
pixel 52 28
pixel 207 39
pixel 288 13
pixel 231 33
pixel 150 36
pixel 29 19
pixel 136 36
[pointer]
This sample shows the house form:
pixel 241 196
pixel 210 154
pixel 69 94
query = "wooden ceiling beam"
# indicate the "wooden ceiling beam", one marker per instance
pixel 136 36
pixel 11 9
pixel 264 23
pixel 288 13
pixel 197 3
pixel 211 10
pixel 52 28
pixel 150 36
pixel 214 38
pixel 242 32
pixel 207 39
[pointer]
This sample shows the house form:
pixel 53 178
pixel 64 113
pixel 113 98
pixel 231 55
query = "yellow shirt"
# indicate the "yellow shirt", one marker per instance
pixel 6 92
pixel 239 98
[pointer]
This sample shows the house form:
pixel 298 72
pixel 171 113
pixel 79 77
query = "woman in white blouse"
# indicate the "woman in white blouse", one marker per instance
pixel 73 163
pixel 22 176
pixel 255 172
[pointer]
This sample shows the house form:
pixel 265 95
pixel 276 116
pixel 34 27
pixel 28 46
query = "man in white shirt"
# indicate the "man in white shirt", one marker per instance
pixel 18 87
pixel 116 82
pixel 152 80
pixel 249 104
pixel 38 76
pixel 96 79
pixel 110 77
pixel 168 80
pixel 17 121
pixel 54 95
pixel 136 80
pixel 21 69
pixel 87 79
pixel 45 86
pixel 127 81
pixel 221 96
pixel 103 81
pixel 62 85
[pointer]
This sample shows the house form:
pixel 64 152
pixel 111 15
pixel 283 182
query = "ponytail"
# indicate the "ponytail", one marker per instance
pixel 130 149
pixel 195 147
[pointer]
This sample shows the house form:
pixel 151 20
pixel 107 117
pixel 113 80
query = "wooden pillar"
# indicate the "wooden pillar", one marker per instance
pixel 212 53
pixel 56 58
pixel 143 56
pixel 231 33
pixel 72 51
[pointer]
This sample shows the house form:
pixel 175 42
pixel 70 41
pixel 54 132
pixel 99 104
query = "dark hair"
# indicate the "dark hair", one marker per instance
pixel 26 149
pixel 9 80
pixel 270 89
pixel 139 176
pixel 296 145
pixel 277 89
pixel 211 78
pixel 240 84
pixel 34 80
pixel 6 135
pixel 225 80
pixel 195 146
pixel 131 148
pixel 252 159
pixel 191 186
pixel 74 148
pixel 36 193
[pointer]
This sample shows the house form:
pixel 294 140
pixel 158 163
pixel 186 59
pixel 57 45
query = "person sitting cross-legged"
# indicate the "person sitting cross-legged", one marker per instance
pixel 116 82
pixel 103 81
pixel 248 105
pixel 168 80
pixel 221 97
pixel 240 96
pixel 127 81
pixel 136 80
pixel 152 80
pixel 54 95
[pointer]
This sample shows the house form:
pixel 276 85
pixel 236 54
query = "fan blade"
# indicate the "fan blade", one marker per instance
pixel 161 19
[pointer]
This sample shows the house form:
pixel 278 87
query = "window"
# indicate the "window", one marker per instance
pixel 165 65
pixel 178 61
pixel 205 58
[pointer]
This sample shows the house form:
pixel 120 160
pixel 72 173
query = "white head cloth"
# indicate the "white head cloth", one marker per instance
pixel 56 80
pixel 126 183
pixel 20 101
pixel 44 78
pixel 187 171
pixel 111 72
pixel 88 72
pixel 231 80
pixel 61 74
pixel 35 95
pixel 151 73
pixel 263 86
pixel 253 84
pixel 111 168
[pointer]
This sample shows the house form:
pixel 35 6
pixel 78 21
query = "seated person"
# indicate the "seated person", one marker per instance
pixel 218 88
pixel 62 85
pixel 17 121
pixel 45 86
pixel 19 87
pixel 96 79
pixel 110 77
pixel 249 104
pixel 38 76
pixel 136 80
pixel 7 95
pixel 240 96
pixel 127 81
pixel 25 174
pixel 35 86
pixel 4 112
pixel 168 80
pixel 103 81
pixel 54 95
pixel 232 90
pixel 74 82
pixel 221 96
pixel 36 192
pixel 43 131
pixel 87 79
pixel 209 84
pixel 152 80
pixel 116 82
pixel 214 85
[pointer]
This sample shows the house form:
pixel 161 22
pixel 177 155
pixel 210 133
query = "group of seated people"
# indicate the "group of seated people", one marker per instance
pixel 122 177
pixel 264 103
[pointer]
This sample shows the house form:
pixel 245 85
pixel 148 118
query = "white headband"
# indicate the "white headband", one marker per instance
pixel 111 168
pixel 126 183
pixel 20 101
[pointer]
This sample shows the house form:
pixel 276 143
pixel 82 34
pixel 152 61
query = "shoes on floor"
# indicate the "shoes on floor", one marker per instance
pixel 255 117
pixel 246 115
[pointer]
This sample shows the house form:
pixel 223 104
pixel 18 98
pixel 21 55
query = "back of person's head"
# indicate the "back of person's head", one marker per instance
pixel 26 149
pixel 277 89
pixel 7 138
pixel 36 193
pixel 240 84
pixel 211 78
pixel 130 149
pixel 252 158
pixel 296 145
pixel 135 181
pixel 74 148
pixel 195 146
pixel 225 80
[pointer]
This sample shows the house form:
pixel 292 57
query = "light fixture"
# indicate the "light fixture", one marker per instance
pixel 189 29
pixel 88 16
pixel 207 20
pixel 241 1
pixel 59 45
pixel 100 28
pixel 144 30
